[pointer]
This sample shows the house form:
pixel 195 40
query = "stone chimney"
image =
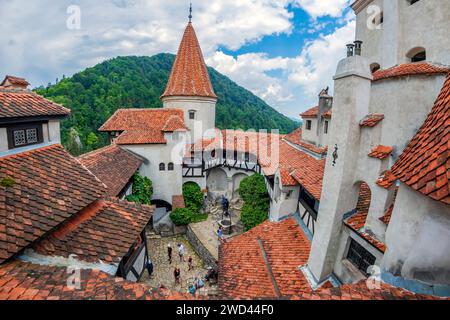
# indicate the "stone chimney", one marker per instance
pixel 14 83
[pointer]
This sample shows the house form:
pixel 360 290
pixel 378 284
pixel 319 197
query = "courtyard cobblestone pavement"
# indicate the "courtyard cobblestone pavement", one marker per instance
pixel 163 271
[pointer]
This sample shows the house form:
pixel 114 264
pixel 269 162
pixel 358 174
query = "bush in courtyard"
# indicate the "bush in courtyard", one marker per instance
pixel 142 190
pixel 256 201
pixel 185 216
pixel 193 196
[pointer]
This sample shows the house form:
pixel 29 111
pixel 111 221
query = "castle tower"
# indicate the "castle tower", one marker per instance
pixel 351 104
pixel 189 87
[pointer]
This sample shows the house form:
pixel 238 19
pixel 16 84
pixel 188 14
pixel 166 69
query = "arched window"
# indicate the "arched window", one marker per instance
pixel 374 67
pixel 417 54
pixel 162 167
pixel 213 154
pixel 379 19
pixel 171 166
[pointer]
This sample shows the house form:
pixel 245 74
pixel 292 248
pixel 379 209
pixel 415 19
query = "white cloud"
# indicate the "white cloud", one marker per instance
pixel 317 8
pixel 37 44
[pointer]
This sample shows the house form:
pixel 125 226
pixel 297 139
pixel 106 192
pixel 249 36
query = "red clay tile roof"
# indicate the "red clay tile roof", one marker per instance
pixel 49 187
pixel 328 114
pixel 25 281
pixel 175 123
pixel 144 126
pixel 371 120
pixel 387 179
pixel 15 81
pixel 295 137
pixel 105 231
pixel 361 291
pixel 425 163
pixel 113 165
pixel 310 113
pixel 299 167
pixel 357 221
pixel 264 262
pixel 386 219
pixel 178 202
pixel 189 75
pixel 24 103
pixel 381 152
pixel 410 69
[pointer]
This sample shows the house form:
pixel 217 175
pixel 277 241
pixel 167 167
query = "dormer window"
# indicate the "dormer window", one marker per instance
pixel 417 54
pixel 24 135
pixel 308 124
pixel 192 114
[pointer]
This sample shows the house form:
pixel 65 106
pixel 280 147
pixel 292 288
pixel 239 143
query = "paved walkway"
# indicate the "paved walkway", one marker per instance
pixel 206 231
pixel 163 271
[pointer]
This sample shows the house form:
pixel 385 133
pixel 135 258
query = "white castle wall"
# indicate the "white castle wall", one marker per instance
pixel 205 117
pixel 423 24
pixel 166 184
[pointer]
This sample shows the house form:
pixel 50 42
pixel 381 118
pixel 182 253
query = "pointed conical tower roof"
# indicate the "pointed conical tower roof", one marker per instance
pixel 189 75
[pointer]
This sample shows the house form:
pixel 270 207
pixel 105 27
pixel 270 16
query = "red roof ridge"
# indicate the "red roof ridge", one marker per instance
pixel 310 113
pixel 371 120
pixel 189 76
pixel 410 69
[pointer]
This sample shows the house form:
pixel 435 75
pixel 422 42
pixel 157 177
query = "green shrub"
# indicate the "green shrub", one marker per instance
pixel 253 216
pixel 142 190
pixel 7 182
pixel 256 201
pixel 193 196
pixel 185 216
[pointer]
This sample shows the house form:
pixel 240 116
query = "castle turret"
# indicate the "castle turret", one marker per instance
pixel 189 87
pixel 350 105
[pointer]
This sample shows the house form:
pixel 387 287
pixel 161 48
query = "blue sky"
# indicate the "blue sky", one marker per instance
pixel 284 51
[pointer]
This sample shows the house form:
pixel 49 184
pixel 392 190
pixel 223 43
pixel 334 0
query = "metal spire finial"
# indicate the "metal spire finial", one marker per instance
pixel 190 13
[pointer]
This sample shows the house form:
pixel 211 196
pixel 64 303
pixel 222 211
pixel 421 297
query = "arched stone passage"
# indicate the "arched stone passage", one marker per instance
pixel 237 179
pixel 162 204
pixel 217 180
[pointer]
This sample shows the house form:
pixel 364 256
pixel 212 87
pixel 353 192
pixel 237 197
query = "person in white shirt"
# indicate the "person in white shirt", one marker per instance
pixel 181 252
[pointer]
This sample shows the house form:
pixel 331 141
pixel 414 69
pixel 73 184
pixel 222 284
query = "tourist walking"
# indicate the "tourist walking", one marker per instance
pixel 177 276
pixel 169 252
pixel 190 263
pixel 181 252
pixel 220 233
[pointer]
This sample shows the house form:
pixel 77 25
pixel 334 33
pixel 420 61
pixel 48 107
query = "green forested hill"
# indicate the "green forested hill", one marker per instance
pixel 95 94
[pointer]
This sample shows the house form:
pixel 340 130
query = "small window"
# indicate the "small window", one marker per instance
pixel 417 54
pixel 213 154
pixel 421 56
pixel 224 154
pixel 360 257
pixel 374 67
pixel 235 155
pixel 411 2
pixel 379 19
pixel 24 135
pixel 325 129
pixel 308 124
pixel 171 167
pixel 192 115
pixel 247 157
pixel 289 194
pixel 162 167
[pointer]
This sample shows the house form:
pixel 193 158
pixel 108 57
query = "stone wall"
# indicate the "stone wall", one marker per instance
pixel 200 248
